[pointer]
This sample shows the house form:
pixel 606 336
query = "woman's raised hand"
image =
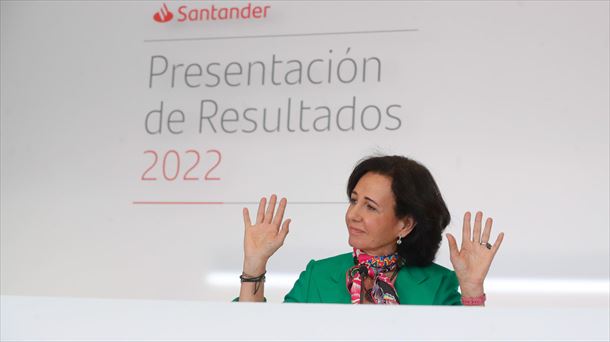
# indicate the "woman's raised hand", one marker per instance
pixel 471 263
pixel 264 237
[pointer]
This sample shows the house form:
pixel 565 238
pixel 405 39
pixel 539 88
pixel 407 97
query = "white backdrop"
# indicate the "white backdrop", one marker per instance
pixel 505 102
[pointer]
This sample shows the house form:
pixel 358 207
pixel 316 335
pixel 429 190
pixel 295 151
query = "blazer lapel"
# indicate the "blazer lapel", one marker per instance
pixel 416 286
pixel 333 289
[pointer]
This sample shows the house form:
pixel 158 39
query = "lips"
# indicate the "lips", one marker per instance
pixel 353 230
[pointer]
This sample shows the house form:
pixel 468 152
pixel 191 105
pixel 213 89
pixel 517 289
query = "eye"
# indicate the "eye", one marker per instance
pixel 352 201
pixel 370 207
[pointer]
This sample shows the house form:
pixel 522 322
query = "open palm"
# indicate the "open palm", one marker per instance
pixel 264 237
pixel 472 261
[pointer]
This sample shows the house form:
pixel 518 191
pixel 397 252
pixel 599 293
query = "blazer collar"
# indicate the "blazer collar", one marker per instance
pixel 407 275
pixel 414 275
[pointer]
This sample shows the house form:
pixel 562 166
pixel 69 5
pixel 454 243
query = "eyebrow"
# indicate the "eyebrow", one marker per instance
pixel 366 197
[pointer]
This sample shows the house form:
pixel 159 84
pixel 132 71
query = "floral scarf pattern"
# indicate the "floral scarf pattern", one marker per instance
pixel 375 268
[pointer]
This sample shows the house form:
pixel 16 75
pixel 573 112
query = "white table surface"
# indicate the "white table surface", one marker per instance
pixel 51 318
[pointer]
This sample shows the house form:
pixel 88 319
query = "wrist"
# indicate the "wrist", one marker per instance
pixel 472 290
pixel 254 267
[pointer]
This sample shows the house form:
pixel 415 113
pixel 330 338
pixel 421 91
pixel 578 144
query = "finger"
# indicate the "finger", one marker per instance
pixel 284 231
pixel 453 248
pixel 497 244
pixel 279 216
pixel 247 222
pixel 476 232
pixel 487 230
pixel 260 215
pixel 270 209
pixel 466 228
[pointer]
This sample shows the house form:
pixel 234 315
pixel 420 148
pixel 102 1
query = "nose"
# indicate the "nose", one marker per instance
pixel 353 214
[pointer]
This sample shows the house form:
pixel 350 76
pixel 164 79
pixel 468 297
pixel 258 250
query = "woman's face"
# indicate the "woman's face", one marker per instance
pixel 371 221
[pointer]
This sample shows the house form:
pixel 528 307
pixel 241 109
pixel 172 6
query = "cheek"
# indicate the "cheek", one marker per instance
pixel 379 228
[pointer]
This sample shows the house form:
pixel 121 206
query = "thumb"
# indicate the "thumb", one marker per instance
pixel 246 214
pixel 453 248
pixel 284 230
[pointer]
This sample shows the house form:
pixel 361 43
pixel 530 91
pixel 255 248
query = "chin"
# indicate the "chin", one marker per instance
pixel 353 242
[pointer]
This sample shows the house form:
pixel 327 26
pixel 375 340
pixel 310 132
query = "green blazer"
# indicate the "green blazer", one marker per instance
pixel 323 281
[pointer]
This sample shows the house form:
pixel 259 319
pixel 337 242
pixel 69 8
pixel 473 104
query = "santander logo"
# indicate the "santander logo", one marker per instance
pixel 163 15
pixel 212 12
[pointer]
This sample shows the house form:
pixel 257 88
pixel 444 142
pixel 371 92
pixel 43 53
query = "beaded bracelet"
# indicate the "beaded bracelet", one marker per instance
pixel 480 300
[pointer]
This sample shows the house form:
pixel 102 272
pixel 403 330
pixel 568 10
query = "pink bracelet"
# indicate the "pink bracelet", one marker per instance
pixel 474 301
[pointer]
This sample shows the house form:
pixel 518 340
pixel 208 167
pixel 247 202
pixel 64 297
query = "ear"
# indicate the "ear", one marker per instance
pixel 406 226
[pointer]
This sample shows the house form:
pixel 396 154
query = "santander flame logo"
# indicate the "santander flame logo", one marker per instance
pixel 163 15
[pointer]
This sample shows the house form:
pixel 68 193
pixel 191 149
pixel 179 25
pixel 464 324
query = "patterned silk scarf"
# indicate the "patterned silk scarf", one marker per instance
pixel 375 268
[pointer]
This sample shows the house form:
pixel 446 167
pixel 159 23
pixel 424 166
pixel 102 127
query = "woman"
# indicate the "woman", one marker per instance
pixel 395 219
